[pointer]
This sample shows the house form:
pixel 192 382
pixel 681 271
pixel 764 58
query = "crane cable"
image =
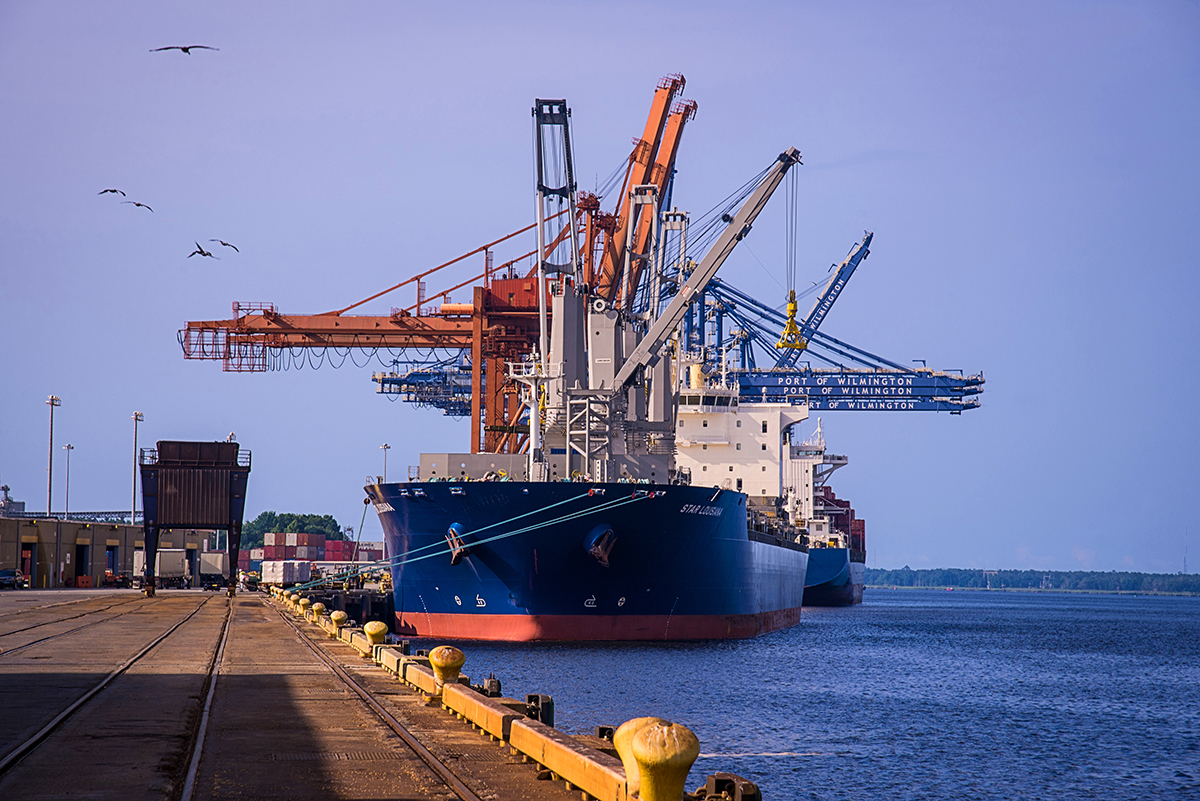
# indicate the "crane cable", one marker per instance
pixel 791 338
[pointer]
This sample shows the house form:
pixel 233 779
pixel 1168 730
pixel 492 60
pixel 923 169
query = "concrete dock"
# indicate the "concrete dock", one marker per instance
pixel 112 695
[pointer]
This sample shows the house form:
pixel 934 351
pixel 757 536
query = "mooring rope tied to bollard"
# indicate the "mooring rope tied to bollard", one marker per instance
pixel 447 549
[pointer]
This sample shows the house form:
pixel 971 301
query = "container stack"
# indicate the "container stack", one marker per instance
pixel 841 514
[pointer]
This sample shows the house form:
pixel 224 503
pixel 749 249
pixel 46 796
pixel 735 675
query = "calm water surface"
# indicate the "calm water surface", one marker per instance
pixel 913 694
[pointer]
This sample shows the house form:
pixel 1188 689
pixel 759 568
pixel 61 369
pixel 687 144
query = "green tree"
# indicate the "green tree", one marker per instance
pixel 252 532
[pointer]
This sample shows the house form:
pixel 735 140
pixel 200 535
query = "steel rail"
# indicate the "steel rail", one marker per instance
pixel 23 750
pixel 214 670
pixel 46 606
pixel 65 619
pixel 4 653
pixel 452 781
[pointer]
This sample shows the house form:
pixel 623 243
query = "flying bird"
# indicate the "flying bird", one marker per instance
pixel 188 49
pixel 199 251
pixel 226 244
pixel 106 191
pixel 139 205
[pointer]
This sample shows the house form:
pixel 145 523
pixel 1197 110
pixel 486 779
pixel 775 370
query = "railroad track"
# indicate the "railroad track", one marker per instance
pixel 453 782
pixel 164 726
pixel 31 744
pixel 27 609
pixel 6 651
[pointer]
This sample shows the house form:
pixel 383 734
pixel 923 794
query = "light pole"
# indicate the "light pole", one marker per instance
pixel 385 448
pixel 137 418
pixel 67 503
pixel 52 401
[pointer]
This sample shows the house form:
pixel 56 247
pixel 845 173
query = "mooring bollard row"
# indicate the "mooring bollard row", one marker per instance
pixel 655 754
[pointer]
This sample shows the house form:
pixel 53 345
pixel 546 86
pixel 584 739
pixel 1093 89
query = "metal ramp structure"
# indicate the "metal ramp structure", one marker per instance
pixel 196 485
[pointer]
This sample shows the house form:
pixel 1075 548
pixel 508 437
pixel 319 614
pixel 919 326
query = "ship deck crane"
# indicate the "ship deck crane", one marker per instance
pixel 501 322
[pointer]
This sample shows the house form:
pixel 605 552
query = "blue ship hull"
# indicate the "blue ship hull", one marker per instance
pixel 833 578
pixel 681 563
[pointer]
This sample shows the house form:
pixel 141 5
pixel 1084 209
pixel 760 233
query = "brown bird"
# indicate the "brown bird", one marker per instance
pixel 188 49
pixel 199 251
pixel 226 244
pixel 139 205
pixel 106 191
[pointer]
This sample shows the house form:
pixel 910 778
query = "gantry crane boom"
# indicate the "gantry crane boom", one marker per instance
pixel 641 164
pixel 660 176
pixel 829 295
pixel 737 228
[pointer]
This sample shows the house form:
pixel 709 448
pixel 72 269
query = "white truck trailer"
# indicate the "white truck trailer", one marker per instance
pixel 214 570
pixel 170 567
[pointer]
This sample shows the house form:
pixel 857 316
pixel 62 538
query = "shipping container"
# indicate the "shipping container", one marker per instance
pixel 289 552
pixel 256 553
pixel 286 572
pixel 290 539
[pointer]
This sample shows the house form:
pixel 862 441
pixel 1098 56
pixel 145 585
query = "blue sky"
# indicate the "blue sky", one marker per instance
pixel 1030 172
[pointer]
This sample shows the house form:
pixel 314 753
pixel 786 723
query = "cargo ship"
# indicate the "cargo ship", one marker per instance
pixel 836 535
pixel 694 545
pixel 644 501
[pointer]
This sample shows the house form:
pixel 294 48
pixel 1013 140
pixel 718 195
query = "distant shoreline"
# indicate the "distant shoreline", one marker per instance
pixel 1077 581
pixel 1180 594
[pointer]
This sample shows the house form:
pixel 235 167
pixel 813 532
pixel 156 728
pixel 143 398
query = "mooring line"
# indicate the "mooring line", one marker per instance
pixel 447 549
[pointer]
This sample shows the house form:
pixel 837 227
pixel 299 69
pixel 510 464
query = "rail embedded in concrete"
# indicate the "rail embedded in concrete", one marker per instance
pixel 596 774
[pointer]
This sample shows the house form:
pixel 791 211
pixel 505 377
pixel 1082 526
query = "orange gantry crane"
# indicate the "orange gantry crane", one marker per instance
pixel 500 324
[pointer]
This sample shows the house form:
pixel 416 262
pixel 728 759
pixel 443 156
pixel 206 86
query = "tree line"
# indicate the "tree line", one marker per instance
pixel 1173 583
pixel 252 532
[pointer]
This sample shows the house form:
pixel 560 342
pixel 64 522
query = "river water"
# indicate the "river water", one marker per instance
pixel 913 694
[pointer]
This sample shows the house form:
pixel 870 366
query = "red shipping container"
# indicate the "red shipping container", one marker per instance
pixel 289 552
pixel 317 539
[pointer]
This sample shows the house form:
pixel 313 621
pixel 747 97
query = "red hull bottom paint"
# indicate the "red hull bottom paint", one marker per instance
pixel 530 628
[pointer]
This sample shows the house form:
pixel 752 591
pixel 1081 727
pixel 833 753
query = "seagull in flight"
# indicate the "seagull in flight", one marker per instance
pixel 186 49
pixel 226 244
pixel 199 251
pixel 139 205
pixel 106 191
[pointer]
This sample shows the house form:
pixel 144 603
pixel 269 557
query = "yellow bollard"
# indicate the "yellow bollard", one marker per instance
pixel 376 630
pixel 318 609
pixel 664 753
pixel 302 606
pixel 339 618
pixel 446 661
pixel 623 742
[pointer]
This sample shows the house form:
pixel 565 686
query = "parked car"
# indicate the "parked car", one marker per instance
pixel 11 579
